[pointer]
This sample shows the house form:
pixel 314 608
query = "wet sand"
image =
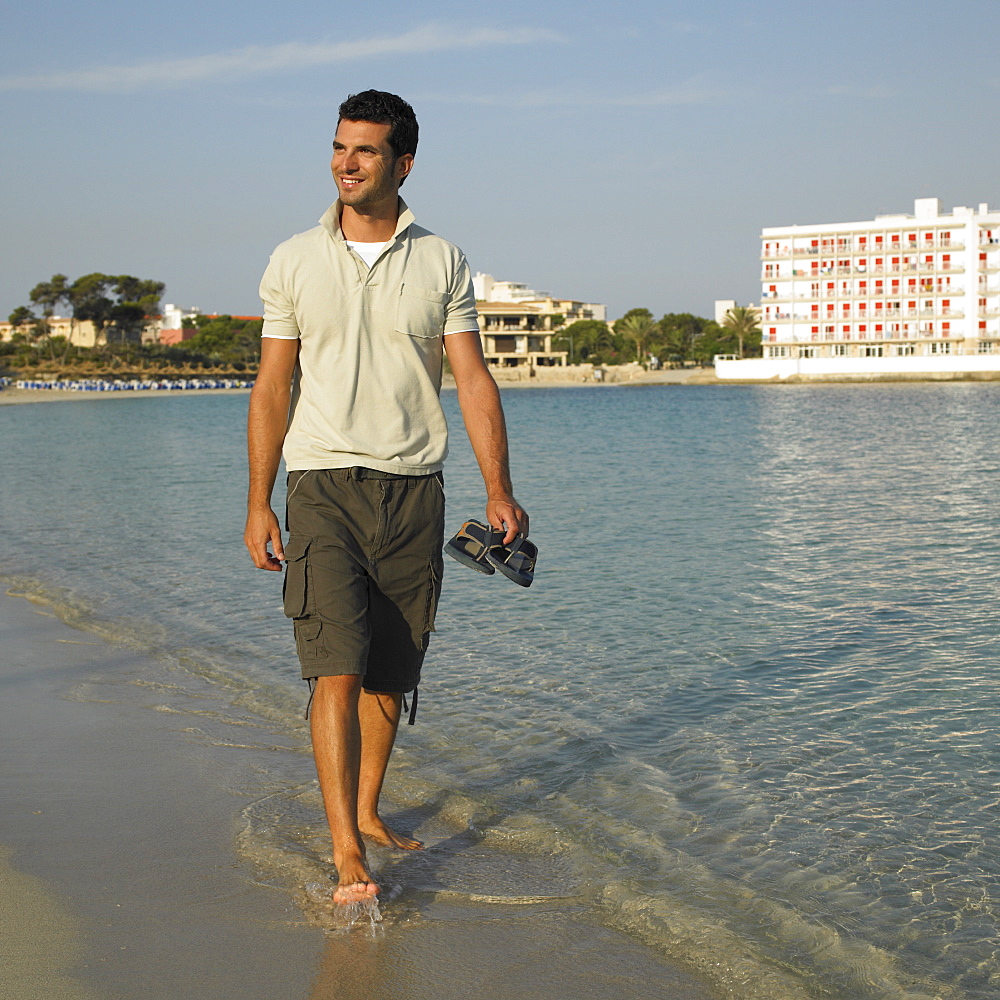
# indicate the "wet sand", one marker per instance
pixel 13 395
pixel 120 875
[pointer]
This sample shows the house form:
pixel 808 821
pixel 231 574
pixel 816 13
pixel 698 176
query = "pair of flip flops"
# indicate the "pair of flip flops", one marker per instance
pixel 480 547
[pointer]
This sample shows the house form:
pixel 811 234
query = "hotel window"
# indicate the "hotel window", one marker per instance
pixel 904 350
pixel 941 348
pixel 987 347
pixel 829 330
pixel 871 351
pixel 807 352
pixel 840 350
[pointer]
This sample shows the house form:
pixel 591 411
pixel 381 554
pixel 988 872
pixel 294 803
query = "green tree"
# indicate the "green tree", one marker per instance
pixel 138 300
pixel 21 316
pixel 743 323
pixel 637 325
pixel 678 333
pixel 226 339
pixel 48 294
pixel 585 338
pixel 713 340
pixel 89 299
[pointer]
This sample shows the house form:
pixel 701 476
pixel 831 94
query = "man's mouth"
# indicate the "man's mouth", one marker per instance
pixel 350 181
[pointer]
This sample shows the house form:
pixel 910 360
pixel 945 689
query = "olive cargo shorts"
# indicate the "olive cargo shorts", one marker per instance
pixel 363 572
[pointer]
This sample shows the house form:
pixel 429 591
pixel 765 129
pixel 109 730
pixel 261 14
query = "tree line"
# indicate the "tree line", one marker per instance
pixel 676 338
pixel 121 308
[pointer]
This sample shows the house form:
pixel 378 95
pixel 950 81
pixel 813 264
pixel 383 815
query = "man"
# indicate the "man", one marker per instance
pixel 356 314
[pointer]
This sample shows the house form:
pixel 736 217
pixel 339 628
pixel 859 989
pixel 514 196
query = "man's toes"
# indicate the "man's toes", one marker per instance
pixel 354 892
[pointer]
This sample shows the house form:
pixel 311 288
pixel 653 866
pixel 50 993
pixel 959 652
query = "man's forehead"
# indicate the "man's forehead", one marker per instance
pixel 363 132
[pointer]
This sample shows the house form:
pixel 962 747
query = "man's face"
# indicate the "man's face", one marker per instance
pixel 365 169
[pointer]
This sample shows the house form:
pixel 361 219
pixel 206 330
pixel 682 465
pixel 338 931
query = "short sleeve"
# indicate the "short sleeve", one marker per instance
pixel 279 312
pixel 461 314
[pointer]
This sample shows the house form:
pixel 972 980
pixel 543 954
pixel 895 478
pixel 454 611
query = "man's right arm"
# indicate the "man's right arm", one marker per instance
pixel 266 426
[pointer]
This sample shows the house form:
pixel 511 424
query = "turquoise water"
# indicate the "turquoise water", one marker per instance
pixel 749 711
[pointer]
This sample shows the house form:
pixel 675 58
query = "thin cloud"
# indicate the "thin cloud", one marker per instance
pixel 875 92
pixel 681 95
pixel 261 59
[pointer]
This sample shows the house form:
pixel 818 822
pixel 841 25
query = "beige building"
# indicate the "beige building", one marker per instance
pixel 518 333
pixel 79 332
pixel 517 322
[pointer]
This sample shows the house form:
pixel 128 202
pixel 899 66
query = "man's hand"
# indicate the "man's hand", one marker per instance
pixel 263 528
pixel 506 514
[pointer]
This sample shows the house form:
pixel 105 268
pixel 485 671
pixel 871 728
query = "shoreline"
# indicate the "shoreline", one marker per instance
pixel 14 396
pixel 120 852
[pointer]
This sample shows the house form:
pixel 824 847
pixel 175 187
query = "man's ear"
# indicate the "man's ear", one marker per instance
pixel 404 164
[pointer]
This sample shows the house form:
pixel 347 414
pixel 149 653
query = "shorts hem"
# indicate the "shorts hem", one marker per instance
pixel 333 668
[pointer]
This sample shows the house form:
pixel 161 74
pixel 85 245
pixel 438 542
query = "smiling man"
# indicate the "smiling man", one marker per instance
pixel 357 314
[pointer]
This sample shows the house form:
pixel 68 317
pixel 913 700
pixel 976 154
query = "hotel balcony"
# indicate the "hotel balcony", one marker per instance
pixel 900 246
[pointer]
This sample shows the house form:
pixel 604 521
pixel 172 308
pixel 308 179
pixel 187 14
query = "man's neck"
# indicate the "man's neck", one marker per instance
pixel 372 224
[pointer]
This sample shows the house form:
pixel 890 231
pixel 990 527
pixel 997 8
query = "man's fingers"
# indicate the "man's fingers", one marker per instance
pixel 508 518
pixel 263 529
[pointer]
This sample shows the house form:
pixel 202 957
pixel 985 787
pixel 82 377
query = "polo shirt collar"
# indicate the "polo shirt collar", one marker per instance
pixel 331 220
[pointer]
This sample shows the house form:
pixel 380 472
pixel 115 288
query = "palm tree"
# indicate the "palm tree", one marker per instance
pixel 636 325
pixel 742 322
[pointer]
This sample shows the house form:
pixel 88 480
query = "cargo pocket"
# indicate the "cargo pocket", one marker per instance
pixel 307 639
pixel 295 590
pixel 433 596
pixel 420 312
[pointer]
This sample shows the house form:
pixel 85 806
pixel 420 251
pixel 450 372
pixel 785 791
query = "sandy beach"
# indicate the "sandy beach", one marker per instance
pixel 120 874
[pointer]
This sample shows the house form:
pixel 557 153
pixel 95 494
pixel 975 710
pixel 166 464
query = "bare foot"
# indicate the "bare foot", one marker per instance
pixel 354 883
pixel 375 829
pixel 355 892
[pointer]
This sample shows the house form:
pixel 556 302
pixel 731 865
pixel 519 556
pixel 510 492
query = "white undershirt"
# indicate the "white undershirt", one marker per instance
pixel 368 252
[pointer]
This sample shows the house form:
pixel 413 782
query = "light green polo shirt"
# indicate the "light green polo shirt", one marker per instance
pixel 368 382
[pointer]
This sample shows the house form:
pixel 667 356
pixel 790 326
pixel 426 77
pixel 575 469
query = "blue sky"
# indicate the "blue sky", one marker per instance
pixel 627 154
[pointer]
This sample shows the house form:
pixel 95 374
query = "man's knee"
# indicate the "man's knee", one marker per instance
pixel 337 689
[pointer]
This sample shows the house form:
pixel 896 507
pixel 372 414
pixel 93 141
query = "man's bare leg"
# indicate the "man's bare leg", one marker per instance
pixel 379 718
pixel 336 737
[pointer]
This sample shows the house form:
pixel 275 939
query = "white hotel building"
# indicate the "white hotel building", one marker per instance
pixel 895 295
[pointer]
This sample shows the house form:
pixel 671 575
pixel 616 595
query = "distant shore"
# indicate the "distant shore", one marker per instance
pixel 674 376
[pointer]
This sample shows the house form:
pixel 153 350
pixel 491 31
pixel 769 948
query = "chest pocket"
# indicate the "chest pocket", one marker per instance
pixel 420 312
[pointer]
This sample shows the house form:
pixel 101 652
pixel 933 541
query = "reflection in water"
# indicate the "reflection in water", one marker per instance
pixel 748 713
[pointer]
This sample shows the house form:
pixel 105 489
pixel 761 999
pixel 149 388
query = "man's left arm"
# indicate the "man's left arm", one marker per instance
pixel 479 400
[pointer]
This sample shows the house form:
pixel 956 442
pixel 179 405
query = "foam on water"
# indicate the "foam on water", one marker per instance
pixel 748 713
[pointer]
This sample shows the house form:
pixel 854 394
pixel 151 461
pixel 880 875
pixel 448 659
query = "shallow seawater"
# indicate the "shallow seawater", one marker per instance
pixel 749 713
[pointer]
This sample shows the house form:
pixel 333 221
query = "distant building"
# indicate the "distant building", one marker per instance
pixel 172 330
pixel 80 333
pixel 847 297
pixel 517 322
pixel 722 306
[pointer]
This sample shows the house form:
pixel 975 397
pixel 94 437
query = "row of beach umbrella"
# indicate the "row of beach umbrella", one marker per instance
pixel 126 385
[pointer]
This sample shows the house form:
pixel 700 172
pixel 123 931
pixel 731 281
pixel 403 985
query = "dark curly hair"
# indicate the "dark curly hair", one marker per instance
pixel 384 109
